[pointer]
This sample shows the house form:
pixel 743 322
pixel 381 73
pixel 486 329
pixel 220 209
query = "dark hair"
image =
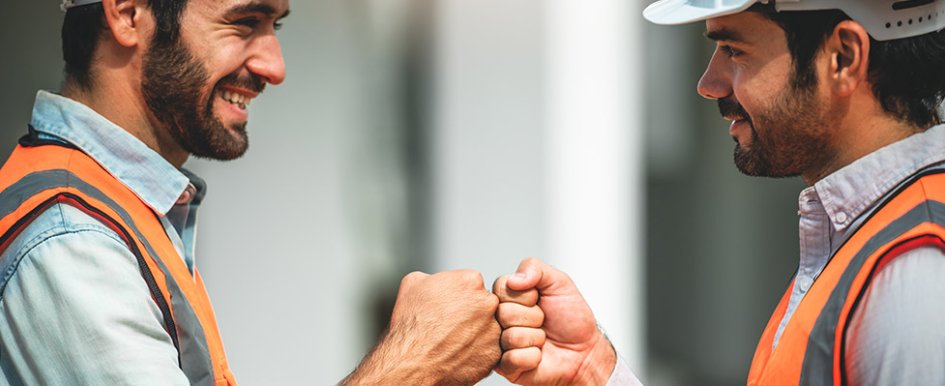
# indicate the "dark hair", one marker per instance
pixel 907 75
pixel 83 26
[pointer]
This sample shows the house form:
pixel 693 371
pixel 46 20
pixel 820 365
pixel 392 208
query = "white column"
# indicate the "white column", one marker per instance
pixel 595 171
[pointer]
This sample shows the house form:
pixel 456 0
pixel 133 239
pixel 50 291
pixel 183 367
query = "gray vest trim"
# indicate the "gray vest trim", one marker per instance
pixel 817 368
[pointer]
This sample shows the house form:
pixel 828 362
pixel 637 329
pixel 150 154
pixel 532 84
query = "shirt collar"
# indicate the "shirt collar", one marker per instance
pixel 154 180
pixel 849 192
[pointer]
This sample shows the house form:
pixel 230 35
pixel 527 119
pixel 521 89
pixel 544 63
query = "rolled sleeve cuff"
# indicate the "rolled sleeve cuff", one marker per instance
pixel 622 375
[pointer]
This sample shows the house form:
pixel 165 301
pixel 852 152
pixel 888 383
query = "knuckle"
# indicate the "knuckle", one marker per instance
pixel 492 303
pixel 412 277
pixel 499 285
pixel 472 277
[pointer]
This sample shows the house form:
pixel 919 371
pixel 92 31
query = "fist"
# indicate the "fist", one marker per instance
pixel 549 334
pixel 446 323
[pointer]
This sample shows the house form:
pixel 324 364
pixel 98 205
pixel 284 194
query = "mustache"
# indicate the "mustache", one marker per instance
pixel 730 108
pixel 249 82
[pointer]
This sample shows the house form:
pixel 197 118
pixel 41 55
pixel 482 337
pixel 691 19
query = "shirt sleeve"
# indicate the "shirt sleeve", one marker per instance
pixel 896 335
pixel 78 312
pixel 622 375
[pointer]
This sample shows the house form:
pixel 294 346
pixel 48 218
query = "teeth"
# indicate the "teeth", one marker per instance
pixel 235 98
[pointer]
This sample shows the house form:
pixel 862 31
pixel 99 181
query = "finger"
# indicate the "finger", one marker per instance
pixel 501 289
pixel 517 315
pixel 516 362
pixel 522 337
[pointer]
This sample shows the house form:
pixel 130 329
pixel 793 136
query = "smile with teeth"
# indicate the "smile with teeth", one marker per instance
pixel 240 100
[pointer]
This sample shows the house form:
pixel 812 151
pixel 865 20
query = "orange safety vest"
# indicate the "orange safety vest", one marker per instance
pixel 37 177
pixel 812 346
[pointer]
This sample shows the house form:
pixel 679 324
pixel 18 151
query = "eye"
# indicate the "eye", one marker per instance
pixel 250 22
pixel 729 51
pixel 277 25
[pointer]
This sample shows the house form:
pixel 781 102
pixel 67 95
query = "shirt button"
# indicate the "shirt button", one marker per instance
pixel 804 283
pixel 841 217
pixel 187 196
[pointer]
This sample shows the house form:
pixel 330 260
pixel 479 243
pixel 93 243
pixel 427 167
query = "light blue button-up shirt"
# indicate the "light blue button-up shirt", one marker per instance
pixel 76 310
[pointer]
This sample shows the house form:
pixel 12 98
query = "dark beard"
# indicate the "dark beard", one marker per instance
pixel 172 84
pixel 750 161
pixel 794 140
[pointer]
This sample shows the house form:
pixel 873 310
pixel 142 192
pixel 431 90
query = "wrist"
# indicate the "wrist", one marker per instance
pixel 599 364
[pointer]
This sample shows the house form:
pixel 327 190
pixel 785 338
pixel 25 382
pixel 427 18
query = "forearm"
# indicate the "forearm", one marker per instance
pixel 392 362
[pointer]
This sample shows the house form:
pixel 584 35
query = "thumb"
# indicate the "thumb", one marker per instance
pixel 527 275
pixel 534 273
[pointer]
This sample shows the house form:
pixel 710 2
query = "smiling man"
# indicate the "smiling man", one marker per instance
pixel 847 95
pixel 98 279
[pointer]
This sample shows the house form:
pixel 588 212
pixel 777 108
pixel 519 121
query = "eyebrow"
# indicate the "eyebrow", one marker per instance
pixel 255 7
pixel 724 34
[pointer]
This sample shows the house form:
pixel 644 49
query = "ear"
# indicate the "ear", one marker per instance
pixel 123 18
pixel 849 50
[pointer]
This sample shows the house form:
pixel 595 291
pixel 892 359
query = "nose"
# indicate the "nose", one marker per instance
pixel 267 61
pixel 716 82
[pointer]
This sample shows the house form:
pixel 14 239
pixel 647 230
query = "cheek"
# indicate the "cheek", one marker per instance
pixel 227 57
pixel 758 92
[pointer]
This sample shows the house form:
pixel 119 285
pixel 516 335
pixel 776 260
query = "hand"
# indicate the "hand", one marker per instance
pixel 442 331
pixel 556 342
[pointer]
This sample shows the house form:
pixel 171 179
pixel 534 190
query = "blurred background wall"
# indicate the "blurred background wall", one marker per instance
pixel 441 134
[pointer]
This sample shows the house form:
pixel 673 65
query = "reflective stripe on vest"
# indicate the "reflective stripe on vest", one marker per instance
pixel 34 178
pixel 812 346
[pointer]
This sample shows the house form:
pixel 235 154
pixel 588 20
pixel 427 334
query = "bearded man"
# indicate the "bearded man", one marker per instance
pixel 847 95
pixel 99 282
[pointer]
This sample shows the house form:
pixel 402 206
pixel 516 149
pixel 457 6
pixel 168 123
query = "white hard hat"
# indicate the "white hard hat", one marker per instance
pixel 884 19
pixel 66 4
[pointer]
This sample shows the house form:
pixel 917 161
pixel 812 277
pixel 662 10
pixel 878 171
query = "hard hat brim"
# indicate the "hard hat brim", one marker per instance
pixel 672 12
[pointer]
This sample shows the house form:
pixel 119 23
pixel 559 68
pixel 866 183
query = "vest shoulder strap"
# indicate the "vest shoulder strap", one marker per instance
pixel 37 176
pixel 811 348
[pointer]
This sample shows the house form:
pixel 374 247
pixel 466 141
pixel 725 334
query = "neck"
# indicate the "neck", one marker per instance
pixel 861 129
pixel 114 97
